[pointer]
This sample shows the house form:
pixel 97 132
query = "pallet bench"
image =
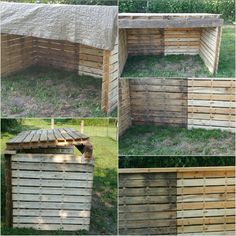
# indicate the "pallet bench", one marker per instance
pixel 170 34
pixel 47 186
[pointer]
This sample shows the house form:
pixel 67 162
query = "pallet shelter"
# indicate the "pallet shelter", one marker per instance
pixel 48 187
pixel 72 37
pixel 207 103
pixel 170 34
pixel 177 201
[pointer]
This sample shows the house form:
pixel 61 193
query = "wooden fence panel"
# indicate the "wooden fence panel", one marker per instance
pixel 124 106
pixel 182 41
pixel 211 103
pixel 177 201
pixel 194 103
pixel 147 203
pixel 53 194
pixel 17 53
pixel 159 101
pixel 145 41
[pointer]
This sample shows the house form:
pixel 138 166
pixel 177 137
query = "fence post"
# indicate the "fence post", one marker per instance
pixel 82 126
pixel 52 123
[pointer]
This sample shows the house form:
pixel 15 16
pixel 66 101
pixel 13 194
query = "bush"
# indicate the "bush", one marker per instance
pixel 224 7
pixel 10 124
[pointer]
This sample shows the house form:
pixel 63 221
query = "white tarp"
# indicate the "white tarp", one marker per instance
pixel 94 26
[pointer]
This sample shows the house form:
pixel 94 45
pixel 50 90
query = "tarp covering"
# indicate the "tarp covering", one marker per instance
pixel 94 26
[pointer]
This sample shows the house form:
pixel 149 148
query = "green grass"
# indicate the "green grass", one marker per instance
pixel 154 140
pixel 104 210
pixel 184 65
pixel 44 92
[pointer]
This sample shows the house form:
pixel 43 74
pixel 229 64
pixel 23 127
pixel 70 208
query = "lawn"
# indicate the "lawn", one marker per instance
pixel 154 140
pixel 184 65
pixel 104 200
pixel 44 92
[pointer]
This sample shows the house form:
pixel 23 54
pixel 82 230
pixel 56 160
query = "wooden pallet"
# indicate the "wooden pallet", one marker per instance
pixel 199 200
pixel 19 52
pixel 44 138
pixel 49 191
pixel 193 103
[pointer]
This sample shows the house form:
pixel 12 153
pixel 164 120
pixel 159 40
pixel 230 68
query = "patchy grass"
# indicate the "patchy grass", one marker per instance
pixel 45 92
pixel 104 200
pixel 154 140
pixel 184 65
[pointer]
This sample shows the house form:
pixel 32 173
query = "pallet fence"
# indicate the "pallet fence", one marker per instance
pixel 192 103
pixel 177 201
pixel 20 52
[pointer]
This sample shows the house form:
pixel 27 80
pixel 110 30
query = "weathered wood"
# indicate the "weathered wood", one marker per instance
pixel 56 192
pixel 164 23
pixel 201 201
pixel 8 183
pixel 19 52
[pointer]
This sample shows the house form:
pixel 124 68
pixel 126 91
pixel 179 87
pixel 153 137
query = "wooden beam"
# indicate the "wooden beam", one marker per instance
pixel 8 184
pixel 175 169
pixel 172 23
pixel 105 80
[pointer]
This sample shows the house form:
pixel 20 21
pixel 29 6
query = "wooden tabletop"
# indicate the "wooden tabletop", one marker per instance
pixel 46 138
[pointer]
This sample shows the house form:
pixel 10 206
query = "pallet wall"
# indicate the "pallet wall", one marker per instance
pixel 51 191
pixel 124 106
pixel 211 103
pixel 210 47
pixel 177 201
pixel 17 53
pixel 182 41
pixel 159 101
pixel 193 103
pixel 172 41
pixel 145 41
pixel 147 204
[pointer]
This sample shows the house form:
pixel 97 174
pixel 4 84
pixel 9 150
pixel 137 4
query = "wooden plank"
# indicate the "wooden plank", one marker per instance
pixel 173 23
pixel 52 183
pixel 206 228
pixel 205 212
pixel 205 205
pixel 45 226
pixel 52 220
pixel 173 169
pixel 52 175
pixel 52 205
pixel 147 199
pixel 38 198
pixel 147 208
pixel 50 213
pixel 69 167
pixel 52 191
pixel 207 197
pixel 206 182
pixel 206 190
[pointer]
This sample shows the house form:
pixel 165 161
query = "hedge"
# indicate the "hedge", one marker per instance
pixel 224 7
pixel 173 161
